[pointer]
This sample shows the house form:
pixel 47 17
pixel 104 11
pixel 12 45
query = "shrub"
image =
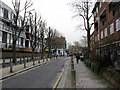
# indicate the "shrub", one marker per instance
pixel 95 66
pixel 116 74
pixel 88 63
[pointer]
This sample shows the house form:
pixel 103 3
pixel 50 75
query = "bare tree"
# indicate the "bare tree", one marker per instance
pixel 34 33
pixel 42 36
pixel 83 41
pixel 83 10
pixel 16 27
pixel 49 36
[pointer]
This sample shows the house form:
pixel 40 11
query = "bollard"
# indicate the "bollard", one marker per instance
pixel 3 62
pixel 46 58
pixel 20 60
pixel 73 78
pixel 27 59
pixel 33 60
pixel 43 59
pixel 73 74
pixel 15 61
pixel 11 66
pixel 38 59
pixel 30 58
pixel 72 63
pixel 24 62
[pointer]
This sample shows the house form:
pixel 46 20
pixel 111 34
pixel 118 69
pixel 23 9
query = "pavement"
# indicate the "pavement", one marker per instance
pixel 84 77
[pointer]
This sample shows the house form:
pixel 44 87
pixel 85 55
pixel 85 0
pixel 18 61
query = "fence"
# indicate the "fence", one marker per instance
pixel 22 60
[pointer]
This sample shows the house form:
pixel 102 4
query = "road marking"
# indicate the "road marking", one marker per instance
pixel 24 72
pixel 59 77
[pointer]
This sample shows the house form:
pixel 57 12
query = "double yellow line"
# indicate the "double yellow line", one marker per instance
pixel 59 77
pixel 20 73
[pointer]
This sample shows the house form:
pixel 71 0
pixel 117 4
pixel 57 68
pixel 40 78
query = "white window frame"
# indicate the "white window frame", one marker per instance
pixel 9 15
pixel 1 11
pixel 106 32
pixel 112 28
pixel 100 5
pixel 118 24
pixel 101 34
pixel 96 9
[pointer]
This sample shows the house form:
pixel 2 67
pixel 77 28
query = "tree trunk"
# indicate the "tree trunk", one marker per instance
pixel 33 56
pixel 88 31
pixel 14 51
pixel 42 49
pixel 88 37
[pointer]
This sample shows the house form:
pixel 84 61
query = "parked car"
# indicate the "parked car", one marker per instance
pixel 70 54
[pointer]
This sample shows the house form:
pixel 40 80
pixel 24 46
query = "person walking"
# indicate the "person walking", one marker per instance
pixel 77 58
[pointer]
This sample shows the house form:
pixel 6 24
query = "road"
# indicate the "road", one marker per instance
pixel 42 77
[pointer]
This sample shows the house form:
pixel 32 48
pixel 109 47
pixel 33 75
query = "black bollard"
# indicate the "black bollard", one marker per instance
pixel 11 66
pixel 24 62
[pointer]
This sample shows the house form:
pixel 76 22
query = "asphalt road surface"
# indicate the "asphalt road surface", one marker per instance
pixel 43 77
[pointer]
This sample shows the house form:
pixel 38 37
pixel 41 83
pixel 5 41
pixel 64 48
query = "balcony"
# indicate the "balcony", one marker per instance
pixel 114 7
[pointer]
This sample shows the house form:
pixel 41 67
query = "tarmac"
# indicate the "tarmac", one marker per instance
pixel 84 77
pixel 5 72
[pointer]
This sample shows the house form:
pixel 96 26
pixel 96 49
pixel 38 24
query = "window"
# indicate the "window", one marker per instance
pixel 1 11
pixel 5 13
pixel 106 32
pixel 96 25
pixel 0 25
pixel 21 41
pixel 96 9
pixel 112 28
pixel 118 24
pixel 102 35
pixel 10 38
pixel 100 5
pixel 103 17
pixel 94 13
pixel 4 38
pixel 26 43
pixel 98 37
pixel 12 16
pixel 114 7
pixel 9 15
pixel 18 22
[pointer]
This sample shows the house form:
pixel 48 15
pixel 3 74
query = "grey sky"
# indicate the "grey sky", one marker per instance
pixel 58 14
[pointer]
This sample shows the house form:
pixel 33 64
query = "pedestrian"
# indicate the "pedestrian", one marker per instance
pixel 77 58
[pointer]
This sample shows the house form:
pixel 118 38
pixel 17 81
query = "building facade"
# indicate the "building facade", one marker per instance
pixel 105 39
pixel 58 45
pixel 6 16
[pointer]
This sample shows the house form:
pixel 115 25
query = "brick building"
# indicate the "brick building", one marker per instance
pixel 105 39
pixel 58 45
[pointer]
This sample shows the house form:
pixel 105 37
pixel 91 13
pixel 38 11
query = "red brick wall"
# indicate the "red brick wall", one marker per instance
pixel 110 19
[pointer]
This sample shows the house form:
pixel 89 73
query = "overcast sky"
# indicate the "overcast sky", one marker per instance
pixel 58 14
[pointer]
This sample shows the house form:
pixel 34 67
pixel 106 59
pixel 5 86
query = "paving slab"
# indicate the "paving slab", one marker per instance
pixel 86 78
